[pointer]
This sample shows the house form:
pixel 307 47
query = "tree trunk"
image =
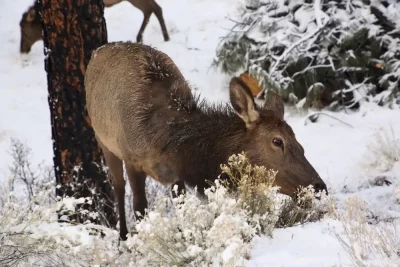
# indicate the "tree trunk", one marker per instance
pixel 72 29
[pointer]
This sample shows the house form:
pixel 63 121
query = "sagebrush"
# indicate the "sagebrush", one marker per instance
pixel 184 231
pixel 368 244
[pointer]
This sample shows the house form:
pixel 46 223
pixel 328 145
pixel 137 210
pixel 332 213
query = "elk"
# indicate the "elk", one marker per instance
pixel 144 115
pixel 31 26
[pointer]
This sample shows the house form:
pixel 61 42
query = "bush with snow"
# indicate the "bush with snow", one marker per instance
pixel 193 233
pixel 254 189
pixel 219 230
pixel 368 244
pixel 25 178
pixel 187 231
pixel 30 235
pixel 256 193
pixel 308 206
pixel 153 190
pixel 216 230
pixel 317 53
pixel 384 151
pixel 396 194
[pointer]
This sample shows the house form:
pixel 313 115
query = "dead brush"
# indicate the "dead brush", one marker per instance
pixel 256 193
pixel 364 242
pixel 254 189
pixel 304 207
pixel 384 151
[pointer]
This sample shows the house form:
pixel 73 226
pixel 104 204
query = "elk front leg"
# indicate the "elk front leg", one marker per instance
pixel 117 178
pixel 137 180
pixel 139 37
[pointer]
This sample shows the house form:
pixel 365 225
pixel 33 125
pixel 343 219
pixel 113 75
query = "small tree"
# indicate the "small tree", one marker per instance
pixel 318 52
pixel 71 31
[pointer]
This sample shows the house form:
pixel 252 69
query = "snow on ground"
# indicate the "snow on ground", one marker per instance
pixel 335 149
pixel 296 247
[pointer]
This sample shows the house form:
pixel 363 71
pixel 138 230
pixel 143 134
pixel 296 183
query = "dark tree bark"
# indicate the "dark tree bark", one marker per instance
pixel 72 29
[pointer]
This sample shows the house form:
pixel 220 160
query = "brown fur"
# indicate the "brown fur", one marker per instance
pixel 144 114
pixel 31 26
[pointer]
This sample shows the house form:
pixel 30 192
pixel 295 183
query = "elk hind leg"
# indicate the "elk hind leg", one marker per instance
pixel 159 14
pixel 117 178
pixel 137 180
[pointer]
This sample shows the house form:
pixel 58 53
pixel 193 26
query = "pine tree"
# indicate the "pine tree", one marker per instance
pixel 71 31
pixel 318 53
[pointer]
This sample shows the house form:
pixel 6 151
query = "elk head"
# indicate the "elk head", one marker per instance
pixel 273 144
pixel 31 29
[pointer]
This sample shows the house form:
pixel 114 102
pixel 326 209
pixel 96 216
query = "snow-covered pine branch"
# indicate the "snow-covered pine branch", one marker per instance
pixel 350 47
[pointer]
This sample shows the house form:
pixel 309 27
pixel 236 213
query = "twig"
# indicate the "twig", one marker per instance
pixel 331 62
pixel 321 113
pixel 310 68
pixel 317 8
pixel 235 21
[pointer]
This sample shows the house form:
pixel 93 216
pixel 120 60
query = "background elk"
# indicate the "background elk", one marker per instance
pixel 144 114
pixel 31 26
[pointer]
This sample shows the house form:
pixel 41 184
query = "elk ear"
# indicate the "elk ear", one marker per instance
pixel 274 103
pixel 31 15
pixel 243 102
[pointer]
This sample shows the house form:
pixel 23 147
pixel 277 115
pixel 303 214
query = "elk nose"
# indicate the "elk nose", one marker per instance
pixel 320 186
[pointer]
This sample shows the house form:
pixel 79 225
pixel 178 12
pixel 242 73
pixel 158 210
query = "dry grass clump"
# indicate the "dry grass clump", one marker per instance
pixel 256 192
pixel 183 232
pixel 384 151
pixel 307 206
pixel 254 189
pixel 396 194
pixel 368 244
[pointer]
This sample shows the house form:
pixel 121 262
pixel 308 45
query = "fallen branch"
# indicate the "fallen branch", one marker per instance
pixel 314 117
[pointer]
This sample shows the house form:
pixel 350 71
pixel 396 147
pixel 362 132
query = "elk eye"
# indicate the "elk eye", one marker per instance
pixel 278 142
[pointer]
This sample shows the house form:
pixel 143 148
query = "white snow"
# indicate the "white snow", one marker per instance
pixel 309 245
pixel 336 150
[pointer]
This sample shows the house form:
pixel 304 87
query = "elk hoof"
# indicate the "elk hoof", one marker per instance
pixel 123 236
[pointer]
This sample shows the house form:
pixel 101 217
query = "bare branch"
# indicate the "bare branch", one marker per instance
pixel 313 117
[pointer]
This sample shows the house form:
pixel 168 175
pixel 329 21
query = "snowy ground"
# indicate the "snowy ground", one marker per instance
pixel 336 150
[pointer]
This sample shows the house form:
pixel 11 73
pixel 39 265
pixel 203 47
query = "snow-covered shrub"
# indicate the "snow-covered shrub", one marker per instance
pixel 256 193
pixel 187 231
pixel 193 233
pixel 396 194
pixel 383 151
pixel 153 190
pixel 28 178
pixel 368 244
pixel 218 230
pixel 27 181
pixel 308 206
pixel 30 235
pixel 317 52
pixel 254 190
pixel 6 191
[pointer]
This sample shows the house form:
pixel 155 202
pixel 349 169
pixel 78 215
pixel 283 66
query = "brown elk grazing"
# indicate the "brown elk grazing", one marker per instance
pixel 31 26
pixel 148 7
pixel 144 114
